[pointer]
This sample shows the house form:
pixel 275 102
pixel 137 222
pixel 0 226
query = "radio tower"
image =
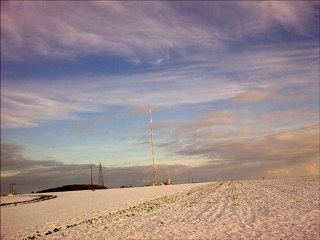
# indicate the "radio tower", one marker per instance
pixel 152 147
pixel 101 183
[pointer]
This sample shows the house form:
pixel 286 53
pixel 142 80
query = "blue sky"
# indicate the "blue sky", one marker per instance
pixel 77 79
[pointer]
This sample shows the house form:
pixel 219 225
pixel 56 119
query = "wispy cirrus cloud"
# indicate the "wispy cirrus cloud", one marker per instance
pixel 196 50
pixel 141 31
pixel 40 102
pixel 289 115
pixel 26 109
pixel 208 80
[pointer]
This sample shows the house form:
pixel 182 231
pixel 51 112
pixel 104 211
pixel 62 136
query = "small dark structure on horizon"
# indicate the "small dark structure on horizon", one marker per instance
pixel 74 187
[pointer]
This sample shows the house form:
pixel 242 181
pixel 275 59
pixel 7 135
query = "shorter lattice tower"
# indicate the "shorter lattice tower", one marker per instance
pixel 168 179
pixel 101 183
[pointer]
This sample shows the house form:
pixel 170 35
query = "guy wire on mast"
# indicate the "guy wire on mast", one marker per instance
pixel 152 147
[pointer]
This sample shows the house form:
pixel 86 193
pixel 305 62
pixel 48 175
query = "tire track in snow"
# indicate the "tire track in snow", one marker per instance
pixel 286 199
pixel 256 209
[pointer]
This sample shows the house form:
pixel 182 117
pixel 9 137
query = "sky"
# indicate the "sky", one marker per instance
pixel 233 87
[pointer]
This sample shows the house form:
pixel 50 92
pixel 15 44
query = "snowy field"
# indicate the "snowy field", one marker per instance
pixel 16 198
pixel 252 209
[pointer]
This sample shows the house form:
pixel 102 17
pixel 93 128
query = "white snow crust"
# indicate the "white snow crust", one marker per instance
pixel 250 209
pixel 16 198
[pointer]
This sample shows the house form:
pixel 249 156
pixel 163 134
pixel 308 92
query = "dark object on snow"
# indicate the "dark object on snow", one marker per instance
pixel 38 199
pixel 74 187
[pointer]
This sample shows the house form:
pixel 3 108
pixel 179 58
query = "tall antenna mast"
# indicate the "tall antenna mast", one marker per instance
pixel 152 147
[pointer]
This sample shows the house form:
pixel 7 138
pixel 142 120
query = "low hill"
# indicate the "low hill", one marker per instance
pixel 74 187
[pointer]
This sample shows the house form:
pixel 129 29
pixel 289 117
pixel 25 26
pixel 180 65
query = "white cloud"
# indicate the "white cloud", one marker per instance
pixel 204 70
pixel 293 16
pixel 27 109
pixel 140 31
pixel 45 101
pixel 209 80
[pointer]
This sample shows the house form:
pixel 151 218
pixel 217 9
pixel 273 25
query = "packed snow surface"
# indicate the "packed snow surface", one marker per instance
pixel 251 209
pixel 16 198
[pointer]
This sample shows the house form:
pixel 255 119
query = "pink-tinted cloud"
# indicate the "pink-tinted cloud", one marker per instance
pixel 293 154
pixel 230 143
pixel 289 115
pixel 251 97
pixel 211 119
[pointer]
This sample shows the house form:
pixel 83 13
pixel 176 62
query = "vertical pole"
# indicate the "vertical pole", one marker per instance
pixel 91 177
pixel 12 190
pixel 99 182
pixel 102 182
pixel 152 147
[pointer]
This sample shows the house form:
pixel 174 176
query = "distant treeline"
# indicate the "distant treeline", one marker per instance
pixel 74 187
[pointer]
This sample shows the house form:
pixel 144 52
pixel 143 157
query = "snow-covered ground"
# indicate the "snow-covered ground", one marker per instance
pixel 22 220
pixel 252 209
pixel 16 198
